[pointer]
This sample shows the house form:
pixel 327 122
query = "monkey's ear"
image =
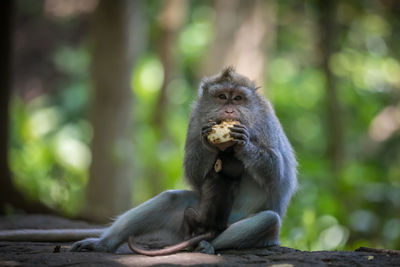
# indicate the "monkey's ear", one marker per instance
pixel 256 89
pixel 204 84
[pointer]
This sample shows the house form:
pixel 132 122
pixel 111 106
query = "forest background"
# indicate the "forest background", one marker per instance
pixel 95 105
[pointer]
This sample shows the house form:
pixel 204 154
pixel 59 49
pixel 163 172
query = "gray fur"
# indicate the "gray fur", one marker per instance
pixel 266 187
pixel 268 158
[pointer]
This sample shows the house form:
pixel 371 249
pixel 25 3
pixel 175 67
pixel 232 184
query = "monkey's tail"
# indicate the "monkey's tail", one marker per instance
pixel 172 249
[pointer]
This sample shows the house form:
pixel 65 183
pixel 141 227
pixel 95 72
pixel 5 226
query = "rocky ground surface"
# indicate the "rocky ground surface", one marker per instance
pixel 57 254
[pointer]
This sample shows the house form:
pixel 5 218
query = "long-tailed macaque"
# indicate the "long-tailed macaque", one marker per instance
pixel 265 189
pixel 216 199
pixel 268 182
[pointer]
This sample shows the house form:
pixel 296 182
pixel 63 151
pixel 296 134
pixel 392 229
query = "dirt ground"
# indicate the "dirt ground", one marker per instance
pixel 48 254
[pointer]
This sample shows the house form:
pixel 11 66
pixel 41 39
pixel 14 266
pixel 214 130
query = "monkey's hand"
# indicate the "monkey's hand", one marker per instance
pixel 240 135
pixel 204 134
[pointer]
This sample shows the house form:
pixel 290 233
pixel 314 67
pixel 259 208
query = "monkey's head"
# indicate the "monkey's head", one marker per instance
pixel 229 96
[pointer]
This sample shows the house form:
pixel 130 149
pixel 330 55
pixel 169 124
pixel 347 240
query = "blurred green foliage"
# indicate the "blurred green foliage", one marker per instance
pixel 50 135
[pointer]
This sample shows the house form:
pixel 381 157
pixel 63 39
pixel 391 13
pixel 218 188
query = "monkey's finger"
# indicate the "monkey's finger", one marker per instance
pixel 241 126
pixel 239 142
pixel 206 131
pixel 208 126
pixel 238 125
pixel 78 247
pixel 240 131
pixel 239 136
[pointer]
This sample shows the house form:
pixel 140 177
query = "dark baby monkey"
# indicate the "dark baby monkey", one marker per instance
pixel 216 199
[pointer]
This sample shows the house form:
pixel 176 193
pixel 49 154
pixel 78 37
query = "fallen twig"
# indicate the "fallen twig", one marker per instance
pixel 378 250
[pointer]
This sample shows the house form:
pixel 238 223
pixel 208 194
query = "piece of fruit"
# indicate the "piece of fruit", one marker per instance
pixel 220 134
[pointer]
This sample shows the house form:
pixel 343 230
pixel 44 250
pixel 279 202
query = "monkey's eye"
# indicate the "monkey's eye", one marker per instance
pixel 222 96
pixel 237 98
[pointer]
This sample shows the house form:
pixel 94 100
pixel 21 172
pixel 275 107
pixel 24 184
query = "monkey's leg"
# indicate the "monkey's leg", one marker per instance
pixel 260 230
pixel 164 211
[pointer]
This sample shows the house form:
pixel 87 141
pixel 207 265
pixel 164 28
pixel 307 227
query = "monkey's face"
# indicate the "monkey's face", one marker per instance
pixel 227 102
pixel 230 96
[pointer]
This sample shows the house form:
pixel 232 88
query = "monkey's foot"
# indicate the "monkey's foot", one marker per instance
pixel 272 243
pixel 205 247
pixel 90 244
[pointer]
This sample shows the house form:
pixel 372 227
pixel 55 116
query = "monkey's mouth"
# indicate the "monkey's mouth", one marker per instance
pixel 227 118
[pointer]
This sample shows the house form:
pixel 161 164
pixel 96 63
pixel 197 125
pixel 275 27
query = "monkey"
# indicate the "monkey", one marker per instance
pixel 265 190
pixel 216 199
pixel 268 183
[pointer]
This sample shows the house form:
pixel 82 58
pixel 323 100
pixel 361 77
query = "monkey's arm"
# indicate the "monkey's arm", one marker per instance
pixel 270 162
pixel 264 163
pixel 198 158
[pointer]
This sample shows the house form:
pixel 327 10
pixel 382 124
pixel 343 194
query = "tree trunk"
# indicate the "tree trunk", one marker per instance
pixel 10 197
pixel 6 11
pixel 326 45
pixel 245 40
pixel 115 40
pixel 171 19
